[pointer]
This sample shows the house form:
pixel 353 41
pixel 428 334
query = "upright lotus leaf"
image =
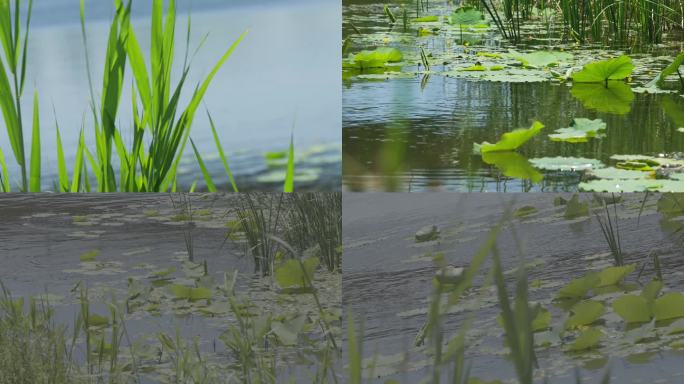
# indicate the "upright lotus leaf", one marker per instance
pixel 618 68
pixel 513 164
pixel 510 140
pixel 632 308
pixel 290 274
pixel 586 340
pixel 584 313
pixel 466 16
pixel 669 306
pixel 671 69
pixel 579 287
pixel 541 58
pixel 579 131
pixel 614 97
pixel 613 275
pixel 651 290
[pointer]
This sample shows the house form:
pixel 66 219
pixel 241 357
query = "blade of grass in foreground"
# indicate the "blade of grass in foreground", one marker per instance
pixel 61 163
pixel 4 182
pixel 207 177
pixel 289 176
pixel 221 154
pixel 34 185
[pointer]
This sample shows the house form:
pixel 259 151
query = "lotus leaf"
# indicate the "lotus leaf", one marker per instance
pixel 510 140
pixel 541 322
pixel 671 69
pixel 579 131
pixel 290 273
pixel 618 174
pixel 513 164
pixel 618 68
pixel 632 308
pixel 669 306
pixel 541 58
pixel 95 320
pixel 466 16
pixel 426 19
pixel 475 68
pixel 181 291
pixel 584 313
pixel 90 255
pixel 287 331
pixel 615 97
pixel 377 58
pixel 566 163
pixel 613 275
pixel 586 340
pixel 651 290
pixel 575 208
pixel 632 185
pixel 579 287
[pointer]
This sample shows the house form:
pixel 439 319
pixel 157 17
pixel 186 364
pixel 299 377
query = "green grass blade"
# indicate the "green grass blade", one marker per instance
pixel 355 353
pixel 4 182
pixel 9 112
pixel 289 175
pixel 207 177
pixel 61 163
pixel 221 154
pixel 76 181
pixel 34 181
pixel 6 32
pixel 25 47
pixel 193 186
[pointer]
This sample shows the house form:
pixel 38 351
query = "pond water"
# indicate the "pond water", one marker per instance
pixel 141 251
pixel 388 280
pixel 408 129
pixel 282 79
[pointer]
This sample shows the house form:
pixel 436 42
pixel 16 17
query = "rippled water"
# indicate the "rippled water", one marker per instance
pixel 387 276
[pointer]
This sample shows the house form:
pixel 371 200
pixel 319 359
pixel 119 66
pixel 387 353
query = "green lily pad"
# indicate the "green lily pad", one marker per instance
pixel 584 313
pixel 579 287
pixel 290 273
pixel 475 68
pixel 426 19
pixel 632 308
pixel 651 290
pixel 629 186
pixel 587 340
pixel 525 211
pixel 287 331
pixel 618 174
pixel 181 291
pixel 566 163
pixel 541 58
pixel 575 208
pixel 618 68
pixel 510 140
pixel 669 306
pixel 613 275
pixel 377 58
pixel 613 97
pixel 90 255
pixel 579 131
pixel 95 320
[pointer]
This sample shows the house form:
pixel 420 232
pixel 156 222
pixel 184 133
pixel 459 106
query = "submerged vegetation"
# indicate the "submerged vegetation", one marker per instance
pixel 230 327
pixel 625 312
pixel 612 58
pixel 161 126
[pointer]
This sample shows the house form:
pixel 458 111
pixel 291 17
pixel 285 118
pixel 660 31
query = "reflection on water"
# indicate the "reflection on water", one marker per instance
pixel 440 123
pixel 388 277
pixel 283 78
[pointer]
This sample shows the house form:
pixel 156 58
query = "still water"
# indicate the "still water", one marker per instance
pixel 283 78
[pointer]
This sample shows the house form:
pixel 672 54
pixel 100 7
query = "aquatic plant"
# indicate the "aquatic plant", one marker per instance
pixel 15 58
pixel 610 229
pixel 618 68
pixel 510 140
pixel 672 69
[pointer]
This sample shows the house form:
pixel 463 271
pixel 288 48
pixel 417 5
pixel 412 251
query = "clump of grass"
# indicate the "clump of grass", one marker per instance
pixel 32 348
pixel 317 220
pixel 610 229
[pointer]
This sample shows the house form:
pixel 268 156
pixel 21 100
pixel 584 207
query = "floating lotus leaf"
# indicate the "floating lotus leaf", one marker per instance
pixel 566 163
pixel 669 306
pixel 95 320
pixel 181 291
pixel 579 131
pixel 525 211
pixel 632 308
pixel 579 287
pixel 90 255
pixel 613 275
pixel 287 331
pixel 614 97
pixel 541 58
pixel 584 313
pixel 618 174
pixel 466 16
pixel 651 290
pixel 510 140
pixel 629 186
pixel 426 19
pixel 586 340
pixel 618 68
pixel 374 59
pixel 512 164
pixel 290 273
pixel 575 208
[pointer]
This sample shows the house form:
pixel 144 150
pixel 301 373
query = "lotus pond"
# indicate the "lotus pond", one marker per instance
pixel 426 83
pixel 169 289
pixel 592 285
